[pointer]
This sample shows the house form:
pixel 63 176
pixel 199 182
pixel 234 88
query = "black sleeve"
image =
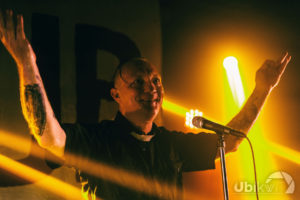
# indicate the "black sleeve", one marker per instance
pixel 78 145
pixel 197 151
pixel 80 142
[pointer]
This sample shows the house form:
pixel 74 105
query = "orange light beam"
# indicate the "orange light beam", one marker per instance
pixel 125 178
pixel 174 108
pixel 132 179
pixel 119 176
pixel 284 152
pixel 13 141
pixel 277 149
pixel 42 180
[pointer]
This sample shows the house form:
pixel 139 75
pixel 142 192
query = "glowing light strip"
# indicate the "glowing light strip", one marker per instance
pixel 284 152
pixel 234 79
pixel 116 175
pixel 174 108
pixel 138 182
pixel 42 180
pixel 127 179
pixel 12 141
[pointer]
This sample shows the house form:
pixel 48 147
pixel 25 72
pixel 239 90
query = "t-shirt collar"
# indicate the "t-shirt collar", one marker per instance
pixel 128 127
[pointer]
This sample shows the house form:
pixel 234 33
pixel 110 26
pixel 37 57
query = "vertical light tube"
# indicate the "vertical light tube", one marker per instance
pixel 233 75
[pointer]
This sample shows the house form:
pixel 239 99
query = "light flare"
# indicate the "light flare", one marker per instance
pixel 42 180
pixel 119 176
pixel 189 118
pixel 133 180
pixel 284 152
pixel 233 74
pixel 174 108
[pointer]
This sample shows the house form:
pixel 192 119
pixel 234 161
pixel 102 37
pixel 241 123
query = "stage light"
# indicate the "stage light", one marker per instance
pixel 181 111
pixel 230 62
pixel 189 117
pixel 233 75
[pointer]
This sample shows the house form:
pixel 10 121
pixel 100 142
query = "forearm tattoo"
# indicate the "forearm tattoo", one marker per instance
pixel 245 119
pixel 35 108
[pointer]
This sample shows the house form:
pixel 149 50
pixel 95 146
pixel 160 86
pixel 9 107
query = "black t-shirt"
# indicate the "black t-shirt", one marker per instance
pixel 133 169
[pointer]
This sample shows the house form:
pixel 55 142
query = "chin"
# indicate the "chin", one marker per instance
pixel 152 112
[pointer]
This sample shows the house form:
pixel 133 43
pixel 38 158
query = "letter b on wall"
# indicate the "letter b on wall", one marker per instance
pixel 90 39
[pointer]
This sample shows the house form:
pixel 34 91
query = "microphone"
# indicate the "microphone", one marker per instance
pixel 201 122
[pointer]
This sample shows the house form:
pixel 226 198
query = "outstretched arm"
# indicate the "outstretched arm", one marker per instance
pixel 267 77
pixel 35 104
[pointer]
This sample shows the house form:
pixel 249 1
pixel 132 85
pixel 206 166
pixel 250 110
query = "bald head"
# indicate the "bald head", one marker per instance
pixel 132 66
pixel 138 89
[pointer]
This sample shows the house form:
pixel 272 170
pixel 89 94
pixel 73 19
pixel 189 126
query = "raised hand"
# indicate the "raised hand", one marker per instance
pixel 267 77
pixel 269 74
pixel 13 38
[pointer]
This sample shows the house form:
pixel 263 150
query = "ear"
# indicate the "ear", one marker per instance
pixel 115 94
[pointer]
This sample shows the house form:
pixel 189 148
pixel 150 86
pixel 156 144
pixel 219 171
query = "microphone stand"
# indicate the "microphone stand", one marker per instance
pixel 221 147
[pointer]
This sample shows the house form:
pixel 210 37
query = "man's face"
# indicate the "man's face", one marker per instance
pixel 139 89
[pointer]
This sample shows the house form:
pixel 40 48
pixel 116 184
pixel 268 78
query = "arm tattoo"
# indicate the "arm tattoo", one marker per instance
pixel 245 119
pixel 35 108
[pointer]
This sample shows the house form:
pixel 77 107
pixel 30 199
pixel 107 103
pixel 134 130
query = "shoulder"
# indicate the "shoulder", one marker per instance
pixel 168 135
pixel 166 132
pixel 184 136
pixel 88 128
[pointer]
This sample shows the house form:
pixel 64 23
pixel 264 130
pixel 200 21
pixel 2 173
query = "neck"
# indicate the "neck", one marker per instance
pixel 140 121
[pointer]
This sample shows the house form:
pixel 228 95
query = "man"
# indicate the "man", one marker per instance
pixel 131 143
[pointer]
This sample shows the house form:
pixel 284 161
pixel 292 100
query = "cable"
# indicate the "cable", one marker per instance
pixel 254 167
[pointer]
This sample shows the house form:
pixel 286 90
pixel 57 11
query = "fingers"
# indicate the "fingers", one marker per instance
pixel 1 25
pixel 9 23
pixel 282 58
pixel 8 31
pixel 282 62
pixel 1 20
pixel 285 63
pixel 20 27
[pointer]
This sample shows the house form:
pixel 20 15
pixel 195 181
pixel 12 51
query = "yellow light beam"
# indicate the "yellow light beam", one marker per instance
pixel 174 108
pixel 42 180
pixel 125 178
pixel 233 74
pixel 12 141
pixel 119 176
pixel 130 179
pixel 284 152
pixel 288 154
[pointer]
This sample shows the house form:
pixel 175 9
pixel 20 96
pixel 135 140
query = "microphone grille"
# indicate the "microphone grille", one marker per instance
pixel 198 121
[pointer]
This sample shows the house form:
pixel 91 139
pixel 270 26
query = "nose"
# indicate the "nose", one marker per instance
pixel 150 87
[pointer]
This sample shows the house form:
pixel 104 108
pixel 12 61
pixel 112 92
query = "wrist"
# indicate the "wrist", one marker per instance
pixel 28 72
pixel 264 89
